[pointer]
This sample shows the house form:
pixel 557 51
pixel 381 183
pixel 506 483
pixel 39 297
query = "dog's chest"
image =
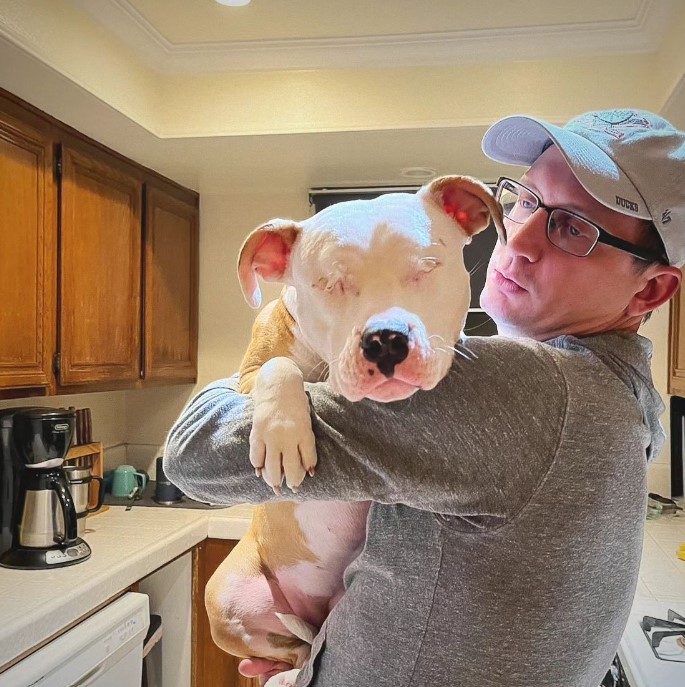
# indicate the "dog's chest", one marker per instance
pixel 332 530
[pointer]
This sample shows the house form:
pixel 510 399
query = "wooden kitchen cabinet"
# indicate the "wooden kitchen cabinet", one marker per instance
pixel 676 345
pixel 27 253
pixel 171 284
pixel 100 270
pixel 98 264
pixel 210 665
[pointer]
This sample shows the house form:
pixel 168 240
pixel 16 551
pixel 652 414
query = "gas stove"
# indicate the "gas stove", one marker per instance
pixel 652 650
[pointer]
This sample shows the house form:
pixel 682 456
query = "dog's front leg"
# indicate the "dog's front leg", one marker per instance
pixel 281 441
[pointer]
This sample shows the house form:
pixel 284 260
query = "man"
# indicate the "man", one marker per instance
pixel 504 541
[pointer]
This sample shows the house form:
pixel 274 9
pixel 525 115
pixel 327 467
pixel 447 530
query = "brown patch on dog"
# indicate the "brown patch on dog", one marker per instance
pixel 272 336
pixel 279 545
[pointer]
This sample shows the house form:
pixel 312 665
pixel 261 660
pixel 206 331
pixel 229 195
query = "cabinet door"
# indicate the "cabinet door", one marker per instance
pixel 27 255
pixel 211 665
pixel 676 340
pixel 100 270
pixel 171 288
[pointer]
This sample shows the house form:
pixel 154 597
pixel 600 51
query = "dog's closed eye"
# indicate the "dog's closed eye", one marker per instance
pixel 337 286
pixel 422 267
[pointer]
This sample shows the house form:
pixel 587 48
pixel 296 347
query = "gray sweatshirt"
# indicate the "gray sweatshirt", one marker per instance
pixel 504 543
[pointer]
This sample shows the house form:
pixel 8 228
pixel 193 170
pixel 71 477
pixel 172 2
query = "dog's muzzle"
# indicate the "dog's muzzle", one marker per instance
pixel 386 348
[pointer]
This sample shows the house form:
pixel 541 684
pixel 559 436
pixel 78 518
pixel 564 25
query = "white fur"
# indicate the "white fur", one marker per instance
pixel 398 256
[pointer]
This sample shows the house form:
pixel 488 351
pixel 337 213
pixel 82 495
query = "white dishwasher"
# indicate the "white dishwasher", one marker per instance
pixel 105 650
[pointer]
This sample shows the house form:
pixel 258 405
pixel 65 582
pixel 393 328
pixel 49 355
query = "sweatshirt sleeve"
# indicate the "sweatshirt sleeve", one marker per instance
pixel 477 445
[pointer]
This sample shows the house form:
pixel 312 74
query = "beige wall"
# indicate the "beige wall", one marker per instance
pixel 225 318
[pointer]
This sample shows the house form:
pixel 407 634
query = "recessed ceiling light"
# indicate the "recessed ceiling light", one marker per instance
pixel 234 3
pixel 418 173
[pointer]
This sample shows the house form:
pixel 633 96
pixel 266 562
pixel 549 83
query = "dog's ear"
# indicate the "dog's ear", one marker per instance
pixel 266 252
pixel 468 201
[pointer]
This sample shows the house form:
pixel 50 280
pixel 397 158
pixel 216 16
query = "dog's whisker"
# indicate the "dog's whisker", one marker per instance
pixel 476 267
pixel 321 364
pixel 459 349
pixel 462 349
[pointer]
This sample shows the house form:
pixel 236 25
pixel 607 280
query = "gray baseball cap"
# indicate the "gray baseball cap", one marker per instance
pixel 632 161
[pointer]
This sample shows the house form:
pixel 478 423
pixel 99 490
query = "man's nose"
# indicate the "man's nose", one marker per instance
pixel 386 348
pixel 528 238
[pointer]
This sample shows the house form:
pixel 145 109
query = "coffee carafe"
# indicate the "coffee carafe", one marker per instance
pixel 36 502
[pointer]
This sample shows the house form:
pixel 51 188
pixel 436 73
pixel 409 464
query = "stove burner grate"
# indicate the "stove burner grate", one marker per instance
pixel 666 637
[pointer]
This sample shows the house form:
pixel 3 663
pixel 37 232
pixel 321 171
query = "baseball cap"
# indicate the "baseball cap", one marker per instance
pixel 632 161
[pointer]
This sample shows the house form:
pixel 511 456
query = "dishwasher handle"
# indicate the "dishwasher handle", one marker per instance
pixel 88 677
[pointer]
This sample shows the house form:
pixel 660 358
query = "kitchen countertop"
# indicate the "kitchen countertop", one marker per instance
pixel 128 545
pixel 662 574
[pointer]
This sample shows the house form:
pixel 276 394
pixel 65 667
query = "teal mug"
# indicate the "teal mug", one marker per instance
pixel 125 479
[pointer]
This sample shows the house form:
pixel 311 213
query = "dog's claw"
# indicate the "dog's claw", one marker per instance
pixel 311 472
pixel 258 472
pixel 277 490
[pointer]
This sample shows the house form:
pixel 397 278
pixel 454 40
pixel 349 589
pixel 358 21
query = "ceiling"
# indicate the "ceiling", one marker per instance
pixel 205 21
pixel 178 35
pixel 289 95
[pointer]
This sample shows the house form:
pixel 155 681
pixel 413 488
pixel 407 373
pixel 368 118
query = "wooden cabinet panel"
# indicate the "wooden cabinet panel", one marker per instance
pixel 27 255
pixel 170 276
pixel 100 271
pixel 211 666
pixel 676 376
pixel 80 283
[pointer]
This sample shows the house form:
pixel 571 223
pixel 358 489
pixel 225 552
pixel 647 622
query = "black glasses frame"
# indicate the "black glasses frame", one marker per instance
pixel 603 236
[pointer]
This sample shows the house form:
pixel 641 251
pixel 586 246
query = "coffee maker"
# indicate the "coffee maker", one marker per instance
pixel 39 524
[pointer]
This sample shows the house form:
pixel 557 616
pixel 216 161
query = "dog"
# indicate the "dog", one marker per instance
pixel 376 295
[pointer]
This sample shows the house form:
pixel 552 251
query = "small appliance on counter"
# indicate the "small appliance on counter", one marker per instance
pixel 39 522
pixel 166 493
pixel 159 492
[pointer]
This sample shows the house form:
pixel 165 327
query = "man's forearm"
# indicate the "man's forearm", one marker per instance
pixel 449 450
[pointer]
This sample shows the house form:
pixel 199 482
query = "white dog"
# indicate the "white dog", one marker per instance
pixel 376 295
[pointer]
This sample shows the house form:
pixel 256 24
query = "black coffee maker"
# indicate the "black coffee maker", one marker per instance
pixel 37 510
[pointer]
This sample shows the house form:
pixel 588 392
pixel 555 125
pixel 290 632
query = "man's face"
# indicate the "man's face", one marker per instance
pixel 536 290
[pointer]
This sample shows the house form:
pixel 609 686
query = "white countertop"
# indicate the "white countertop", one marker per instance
pixel 662 574
pixel 128 545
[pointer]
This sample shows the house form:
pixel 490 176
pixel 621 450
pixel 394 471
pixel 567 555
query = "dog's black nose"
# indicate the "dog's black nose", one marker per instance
pixel 386 348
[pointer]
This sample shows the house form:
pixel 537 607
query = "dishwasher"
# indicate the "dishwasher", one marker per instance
pixel 105 650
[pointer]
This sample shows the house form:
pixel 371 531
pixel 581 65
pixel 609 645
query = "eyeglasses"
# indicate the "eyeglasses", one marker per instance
pixel 570 232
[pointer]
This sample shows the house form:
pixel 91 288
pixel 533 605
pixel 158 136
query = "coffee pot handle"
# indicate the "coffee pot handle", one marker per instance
pixel 66 501
pixel 101 495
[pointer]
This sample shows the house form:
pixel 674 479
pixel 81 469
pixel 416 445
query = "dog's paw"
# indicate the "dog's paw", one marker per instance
pixel 286 679
pixel 282 446
pixel 300 628
pixel 282 443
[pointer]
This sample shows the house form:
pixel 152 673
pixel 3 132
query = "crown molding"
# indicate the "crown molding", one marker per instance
pixel 640 34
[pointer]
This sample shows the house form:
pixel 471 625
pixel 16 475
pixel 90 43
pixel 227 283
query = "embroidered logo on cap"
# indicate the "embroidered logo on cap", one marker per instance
pixel 666 216
pixel 616 123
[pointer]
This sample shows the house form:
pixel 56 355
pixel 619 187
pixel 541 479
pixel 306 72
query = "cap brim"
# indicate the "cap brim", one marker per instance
pixel 520 140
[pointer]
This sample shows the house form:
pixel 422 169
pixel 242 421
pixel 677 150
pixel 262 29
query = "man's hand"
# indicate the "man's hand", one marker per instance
pixel 281 440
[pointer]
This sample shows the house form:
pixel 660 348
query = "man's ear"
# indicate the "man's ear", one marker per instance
pixel 663 282
pixel 266 252
pixel 468 201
